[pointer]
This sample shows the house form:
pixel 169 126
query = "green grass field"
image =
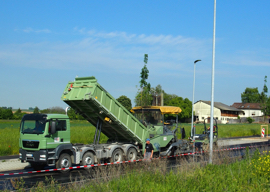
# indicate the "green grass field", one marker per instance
pixel 227 130
pixel 83 132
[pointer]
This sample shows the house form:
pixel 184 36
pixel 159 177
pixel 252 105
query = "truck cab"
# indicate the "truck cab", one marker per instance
pixel 43 138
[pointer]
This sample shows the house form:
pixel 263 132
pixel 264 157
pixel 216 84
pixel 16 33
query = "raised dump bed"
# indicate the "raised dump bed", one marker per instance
pixel 88 98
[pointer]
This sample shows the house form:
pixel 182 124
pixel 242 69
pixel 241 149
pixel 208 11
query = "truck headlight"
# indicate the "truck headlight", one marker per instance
pixel 42 156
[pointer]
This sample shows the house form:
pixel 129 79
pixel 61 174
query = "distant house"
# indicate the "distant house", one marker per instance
pixel 249 109
pixel 222 112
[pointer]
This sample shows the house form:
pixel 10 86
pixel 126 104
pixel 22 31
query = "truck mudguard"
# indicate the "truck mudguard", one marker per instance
pixel 60 148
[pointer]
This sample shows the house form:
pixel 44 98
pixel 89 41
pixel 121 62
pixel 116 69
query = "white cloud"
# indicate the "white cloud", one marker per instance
pixel 29 30
pixel 113 50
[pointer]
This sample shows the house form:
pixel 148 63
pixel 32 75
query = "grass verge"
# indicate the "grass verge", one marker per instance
pixel 225 174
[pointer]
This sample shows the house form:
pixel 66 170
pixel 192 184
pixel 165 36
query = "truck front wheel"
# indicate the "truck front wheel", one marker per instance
pixel 88 159
pixel 64 161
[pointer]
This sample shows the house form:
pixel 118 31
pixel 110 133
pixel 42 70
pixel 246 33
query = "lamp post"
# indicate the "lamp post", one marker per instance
pixel 212 90
pixel 192 117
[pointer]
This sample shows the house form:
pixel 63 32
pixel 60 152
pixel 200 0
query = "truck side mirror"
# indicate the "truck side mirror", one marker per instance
pixel 53 127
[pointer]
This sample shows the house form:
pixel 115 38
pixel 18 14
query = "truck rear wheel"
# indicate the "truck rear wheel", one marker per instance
pixel 117 156
pixel 64 161
pixel 88 159
pixel 131 154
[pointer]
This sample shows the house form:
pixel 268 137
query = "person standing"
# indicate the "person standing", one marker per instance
pixel 149 150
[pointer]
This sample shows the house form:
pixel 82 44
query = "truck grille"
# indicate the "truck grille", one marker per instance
pixel 30 144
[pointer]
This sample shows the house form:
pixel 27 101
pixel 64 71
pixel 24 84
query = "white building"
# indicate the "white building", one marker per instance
pixel 249 109
pixel 222 112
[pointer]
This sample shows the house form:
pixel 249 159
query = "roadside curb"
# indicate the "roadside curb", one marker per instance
pixel 9 157
pixel 12 164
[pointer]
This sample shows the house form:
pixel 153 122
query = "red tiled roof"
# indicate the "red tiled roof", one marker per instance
pixel 247 105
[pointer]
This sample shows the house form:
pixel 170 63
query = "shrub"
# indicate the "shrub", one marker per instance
pixel 261 164
pixel 250 120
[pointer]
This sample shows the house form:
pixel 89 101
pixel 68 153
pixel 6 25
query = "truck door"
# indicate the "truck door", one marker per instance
pixel 61 136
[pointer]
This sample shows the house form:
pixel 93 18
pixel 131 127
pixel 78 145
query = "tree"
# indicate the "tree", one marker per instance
pixel 184 104
pixel 251 95
pixel 36 110
pixel 265 90
pixel 58 110
pixel 145 97
pixel 250 120
pixel 6 113
pixel 265 100
pixel 18 111
pixel 125 101
pixel 144 73
pixel 1 113
pixel 72 114
pixel 18 114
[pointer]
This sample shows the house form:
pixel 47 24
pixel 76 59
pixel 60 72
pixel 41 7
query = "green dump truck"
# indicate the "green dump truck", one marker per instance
pixel 45 138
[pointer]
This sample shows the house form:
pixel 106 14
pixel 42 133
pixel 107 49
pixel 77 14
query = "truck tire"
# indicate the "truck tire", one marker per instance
pixel 64 161
pixel 88 159
pixel 117 156
pixel 131 154
pixel 37 166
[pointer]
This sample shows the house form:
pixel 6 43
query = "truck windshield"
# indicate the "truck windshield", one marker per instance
pixel 146 117
pixel 33 126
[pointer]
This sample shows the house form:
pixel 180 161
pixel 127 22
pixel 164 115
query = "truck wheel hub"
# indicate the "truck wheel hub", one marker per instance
pixel 116 157
pixel 65 163
pixel 88 160
pixel 131 155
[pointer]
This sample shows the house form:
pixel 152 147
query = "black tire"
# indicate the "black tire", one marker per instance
pixel 88 159
pixel 64 161
pixel 117 156
pixel 131 154
pixel 37 166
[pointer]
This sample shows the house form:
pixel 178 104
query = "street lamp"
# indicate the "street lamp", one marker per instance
pixel 212 89
pixel 192 117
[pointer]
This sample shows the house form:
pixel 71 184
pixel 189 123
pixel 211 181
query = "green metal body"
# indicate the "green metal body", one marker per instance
pixel 88 98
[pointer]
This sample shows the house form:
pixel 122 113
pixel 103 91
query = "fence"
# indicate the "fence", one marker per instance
pixel 244 120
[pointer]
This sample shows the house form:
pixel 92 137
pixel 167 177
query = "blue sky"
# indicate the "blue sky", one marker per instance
pixel 45 44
